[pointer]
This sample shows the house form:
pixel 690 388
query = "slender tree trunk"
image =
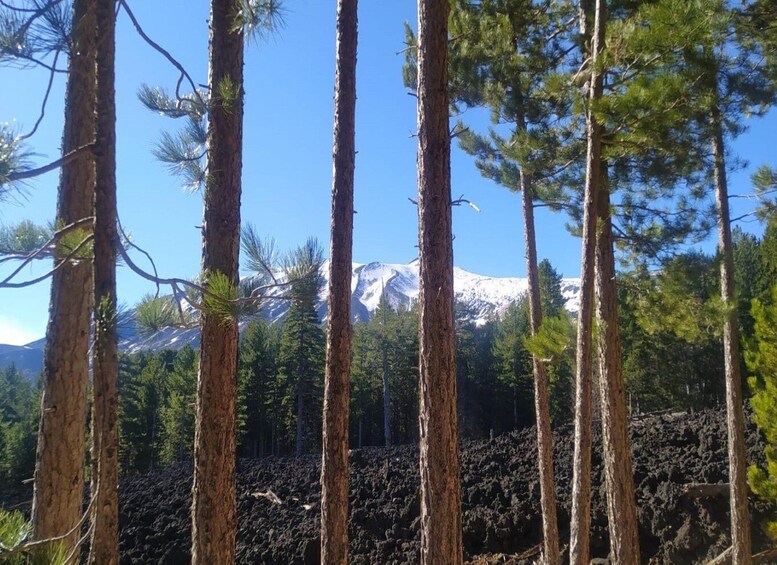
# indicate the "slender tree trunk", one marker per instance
pixel 334 467
pixel 386 388
pixel 735 422
pixel 541 396
pixel 105 363
pixel 579 542
pixel 299 446
pixel 214 522
pixel 59 471
pixel 621 506
pixel 440 467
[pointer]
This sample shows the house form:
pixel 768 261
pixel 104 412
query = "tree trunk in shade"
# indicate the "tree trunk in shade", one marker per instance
pixel 441 535
pixel 104 548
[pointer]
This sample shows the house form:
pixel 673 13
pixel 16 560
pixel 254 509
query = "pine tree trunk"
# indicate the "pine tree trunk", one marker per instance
pixel 334 467
pixel 104 548
pixel 735 422
pixel 621 505
pixel 299 446
pixel 541 397
pixel 214 522
pixel 386 388
pixel 59 472
pixel 441 533
pixel 579 542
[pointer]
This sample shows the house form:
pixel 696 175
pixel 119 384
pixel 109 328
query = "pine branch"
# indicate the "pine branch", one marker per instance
pixel 72 255
pixel 43 105
pixel 62 161
pixel 166 54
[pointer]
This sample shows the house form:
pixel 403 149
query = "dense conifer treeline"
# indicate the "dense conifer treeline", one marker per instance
pixel 620 114
pixel 671 362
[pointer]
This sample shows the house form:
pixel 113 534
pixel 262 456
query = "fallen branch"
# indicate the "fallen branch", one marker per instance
pixel 766 556
pixel 269 495
pixel 707 490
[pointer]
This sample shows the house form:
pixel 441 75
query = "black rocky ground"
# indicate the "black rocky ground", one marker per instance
pixel 500 500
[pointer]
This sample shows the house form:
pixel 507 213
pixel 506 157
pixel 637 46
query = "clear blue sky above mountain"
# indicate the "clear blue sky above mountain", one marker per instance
pixel 287 154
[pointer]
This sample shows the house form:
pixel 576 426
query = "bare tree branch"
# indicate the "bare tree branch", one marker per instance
pixel 52 73
pixel 166 54
pixel 62 161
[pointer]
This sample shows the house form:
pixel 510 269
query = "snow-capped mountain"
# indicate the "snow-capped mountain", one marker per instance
pixel 487 297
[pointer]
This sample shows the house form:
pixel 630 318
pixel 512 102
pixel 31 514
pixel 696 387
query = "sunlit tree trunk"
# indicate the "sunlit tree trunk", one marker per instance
pixel 385 378
pixel 579 543
pixel 441 535
pixel 104 548
pixel 621 506
pixel 334 467
pixel 59 471
pixel 214 522
pixel 541 396
pixel 735 422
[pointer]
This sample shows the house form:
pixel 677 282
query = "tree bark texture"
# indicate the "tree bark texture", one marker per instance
pixel 59 471
pixel 214 522
pixel 441 536
pixel 541 395
pixel 334 466
pixel 735 421
pixel 579 543
pixel 621 505
pixel 104 548
pixel 386 386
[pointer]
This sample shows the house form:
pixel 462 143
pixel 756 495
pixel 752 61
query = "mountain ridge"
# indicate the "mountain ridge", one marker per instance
pixel 487 297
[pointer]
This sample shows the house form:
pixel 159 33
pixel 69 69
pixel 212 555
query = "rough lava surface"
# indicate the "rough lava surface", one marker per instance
pixel 278 500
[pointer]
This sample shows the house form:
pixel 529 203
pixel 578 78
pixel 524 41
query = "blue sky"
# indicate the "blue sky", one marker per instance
pixel 287 153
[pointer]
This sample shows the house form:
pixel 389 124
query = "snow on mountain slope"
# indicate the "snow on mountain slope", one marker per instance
pixel 487 296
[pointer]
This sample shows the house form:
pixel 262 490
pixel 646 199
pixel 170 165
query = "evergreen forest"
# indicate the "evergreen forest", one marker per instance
pixel 619 116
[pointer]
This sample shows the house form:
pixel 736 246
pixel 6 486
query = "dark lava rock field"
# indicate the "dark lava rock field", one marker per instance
pixel 278 500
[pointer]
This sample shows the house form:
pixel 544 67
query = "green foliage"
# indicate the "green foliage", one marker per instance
pixel 392 332
pixel 682 298
pixel 228 94
pixel 154 313
pixel 513 362
pixel 260 19
pixel 259 388
pixel 301 353
pixel 669 330
pixel 177 411
pixel 502 59
pixel 260 253
pixel 15 531
pixel 23 238
pixel 19 415
pixel 765 183
pixel 220 300
pixel 74 242
pixel 761 358
pixel 14 158
pixel 553 342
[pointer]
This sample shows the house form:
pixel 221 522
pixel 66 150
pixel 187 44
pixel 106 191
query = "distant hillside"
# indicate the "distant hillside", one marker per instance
pixel 488 297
